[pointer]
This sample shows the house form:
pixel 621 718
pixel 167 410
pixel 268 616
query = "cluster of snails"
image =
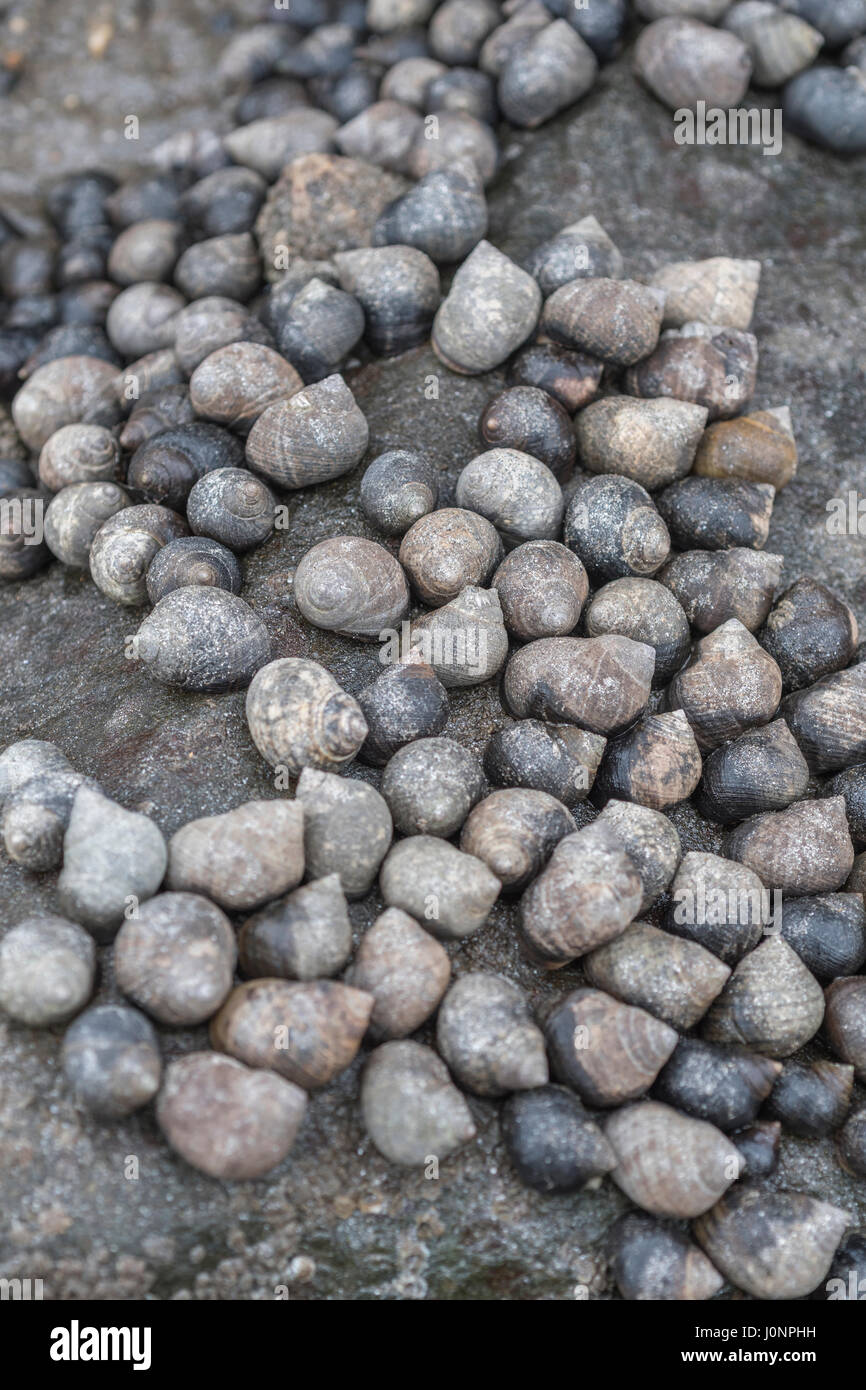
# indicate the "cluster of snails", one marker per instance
pixel 603 555
pixel 711 50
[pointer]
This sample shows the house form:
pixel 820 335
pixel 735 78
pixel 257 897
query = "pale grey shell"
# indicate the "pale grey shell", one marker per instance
pixel 241 859
pixel 397 489
pixel 771 1003
pixel 125 545
pixel 232 506
pixel 47 969
pixel 491 308
pixel 75 515
pixel 111 1061
pixel 650 840
pixel 601 683
pixel 514 831
pixel 774 1245
pixel 486 1034
pixel 175 958
pixel 316 435
pixel 398 290
pixel 431 785
pixel 203 638
pixel 347 829
pixel 447 549
pixel 509 36
pixel 67 391
pixel 145 250
pixel 781 44
pixel 653 442
pixel 228 1120
pixel 719 290
pixel 404 968
pixel 683 61
pixel 307 935
pixel 268 144
pixel 113 859
pixel 517 493
pixel 79 454
pixel 29 757
pixel 461 137
pixel 449 892
pixel 542 587
pixel 675 979
pixel 35 817
pixel 142 318
pixel 553 69
pixel 299 717
pixel 381 134
pixel 410 1107
pixel 465 640
pixel 212 323
pixel 235 384
pixel 408 79
pixel 351 585
pixel 607 1051
pixel 588 894
pixel 729 684
pixel 668 1163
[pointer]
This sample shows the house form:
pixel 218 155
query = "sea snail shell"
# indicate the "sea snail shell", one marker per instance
pixel 314 436
pixel 668 1163
pixel 202 638
pixel 514 831
pixel 125 545
pixel 352 586
pixel 75 515
pixel 299 717
pixel 625 1049
pixel 192 560
pixel 491 308
pixel 601 683
pixel 232 506
pixel 485 1032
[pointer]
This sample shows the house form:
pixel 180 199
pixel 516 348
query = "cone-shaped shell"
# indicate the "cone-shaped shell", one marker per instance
pixel 714 586
pixel 587 895
pixel 411 1108
pixel 655 1262
pixel 760 448
pixel 447 549
pixel 491 308
pixel 553 69
pixel 347 829
pixel 674 979
pixel 436 883
pixel 653 442
pixel 554 1144
pixel 311 437
pixel 804 849
pixel 465 640
pixel 720 904
pixel 485 1032
pixel 228 1120
pixel 771 1003
pixel 712 366
pixel 724 1086
pixel 607 1051
pixel 308 1032
pixel 811 632
pixel 514 831
pixel 559 759
pixel 667 1163
pixel 235 384
pixel 176 958
pixel 404 969
pixel 76 514
pixel 656 764
pixel 615 320
pixel 846 1021
pixel 683 61
pixel 398 290
pixel 514 491
pixel 651 842
pixel 718 290
pixel 542 587
pixel 729 684
pixel 299 716
pixel 202 638
pixel 243 858
pixel 828 720
pixel 601 683
pixel 774 1245
pixel 645 611
pixel 110 856
pixel 304 936
pixel 762 770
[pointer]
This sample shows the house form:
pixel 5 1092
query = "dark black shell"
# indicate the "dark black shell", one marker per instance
pixel 809 633
pixel 762 770
pixel 225 201
pixel 193 560
pixel 812 1100
pixel 724 1085
pixel 166 467
pixel 553 1142
pixel 527 418
pixel 405 703
pixel 716 513
pixel 827 932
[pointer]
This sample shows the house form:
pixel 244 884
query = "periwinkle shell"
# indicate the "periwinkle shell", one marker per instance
pixel 175 958
pixel 314 436
pixel 47 969
pixel 410 1106
pixel 125 545
pixel 306 935
pixel 486 1034
pixel 299 716
pixel 113 859
pixel 111 1061
pixel 347 829
pixel 192 560
pixel 232 506
pixel 235 384
pixel 553 69
pixel 516 492
pixel 242 858
pixel 74 516
pixel 542 587
pixel 491 308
